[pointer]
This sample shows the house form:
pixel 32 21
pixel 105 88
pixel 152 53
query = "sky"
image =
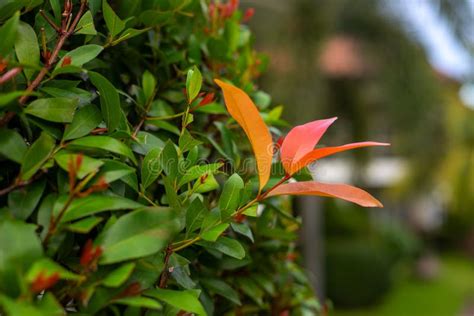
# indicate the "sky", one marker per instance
pixel 444 51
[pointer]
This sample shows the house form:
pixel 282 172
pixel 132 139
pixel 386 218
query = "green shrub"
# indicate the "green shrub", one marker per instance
pixel 358 272
pixel 126 188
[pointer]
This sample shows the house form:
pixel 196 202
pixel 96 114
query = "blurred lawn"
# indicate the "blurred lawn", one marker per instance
pixel 445 296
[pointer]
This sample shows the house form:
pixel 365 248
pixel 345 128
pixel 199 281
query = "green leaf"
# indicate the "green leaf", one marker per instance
pixel 212 108
pixel 44 213
pixel 148 84
pixel 252 211
pixel 150 228
pixel 94 204
pixel 181 275
pixel 227 246
pixel 213 233
pixel 86 25
pixel 171 195
pixel 8 34
pixel 131 180
pixel 37 155
pixel 193 83
pixel 27 48
pixel 49 267
pixel 19 246
pixel 48 305
pixel 22 202
pixel 221 288
pixel 109 100
pixel 85 225
pixel 145 142
pixel 12 145
pixel 206 185
pixel 84 97
pixel 81 55
pixel 114 24
pixel 128 33
pixel 196 172
pixel 187 142
pixel 60 110
pixel 105 143
pixel 184 300
pixel 169 161
pixel 85 120
pixel 165 126
pixel 251 289
pixel 117 277
pixel 9 97
pixel 243 229
pixel 88 165
pixel 139 301
pixel 210 219
pixel 151 167
pixel 113 170
pixel 194 215
pixel 56 8
pixel 155 17
pixel 231 194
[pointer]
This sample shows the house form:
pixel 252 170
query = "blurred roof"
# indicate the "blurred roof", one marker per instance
pixel 341 56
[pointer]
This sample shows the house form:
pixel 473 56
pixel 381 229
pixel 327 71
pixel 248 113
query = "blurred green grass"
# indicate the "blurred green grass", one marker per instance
pixel 444 296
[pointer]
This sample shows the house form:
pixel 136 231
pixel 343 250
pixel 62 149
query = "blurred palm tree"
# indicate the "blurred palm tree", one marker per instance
pixel 460 15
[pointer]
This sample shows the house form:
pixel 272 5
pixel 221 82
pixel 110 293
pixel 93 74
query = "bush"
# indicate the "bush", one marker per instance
pixel 358 272
pixel 126 187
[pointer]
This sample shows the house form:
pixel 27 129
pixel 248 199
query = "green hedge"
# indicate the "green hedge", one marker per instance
pixel 116 151
pixel 358 272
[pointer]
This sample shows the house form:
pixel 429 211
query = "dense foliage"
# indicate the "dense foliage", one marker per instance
pixel 126 188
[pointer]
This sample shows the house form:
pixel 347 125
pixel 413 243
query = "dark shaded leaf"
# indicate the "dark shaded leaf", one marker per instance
pixel 109 100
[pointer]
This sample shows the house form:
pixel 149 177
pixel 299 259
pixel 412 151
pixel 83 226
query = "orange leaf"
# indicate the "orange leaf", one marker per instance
pixel 301 140
pixel 340 191
pixel 327 151
pixel 244 111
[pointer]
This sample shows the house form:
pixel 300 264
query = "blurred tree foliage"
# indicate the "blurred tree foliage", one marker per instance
pixel 395 91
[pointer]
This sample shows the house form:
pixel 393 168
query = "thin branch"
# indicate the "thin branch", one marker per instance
pixel 50 22
pixel 9 75
pixel 19 184
pixel 186 243
pixel 165 274
pixel 65 33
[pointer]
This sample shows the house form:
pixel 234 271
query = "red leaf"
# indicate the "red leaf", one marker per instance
pixel 340 191
pixel 90 254
pixel 244 111
pixel 208 98
pixel 327 151
pixel 301 140
pixel 248 14
pixel 43 282
pixel 67 61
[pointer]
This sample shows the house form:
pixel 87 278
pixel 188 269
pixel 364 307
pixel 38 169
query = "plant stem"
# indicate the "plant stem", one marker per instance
pixel 165 274
pixel 168 117
pixel 143 195
pixel 64 33
pixel 72 195
pixel 19 184
pixel 186 243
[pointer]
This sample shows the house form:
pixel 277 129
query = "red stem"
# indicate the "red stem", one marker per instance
pixel 65 33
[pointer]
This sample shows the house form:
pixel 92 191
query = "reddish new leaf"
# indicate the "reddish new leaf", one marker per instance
pixel 327 151
pixel 340 191
pixel 301 140
pixel 244 111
